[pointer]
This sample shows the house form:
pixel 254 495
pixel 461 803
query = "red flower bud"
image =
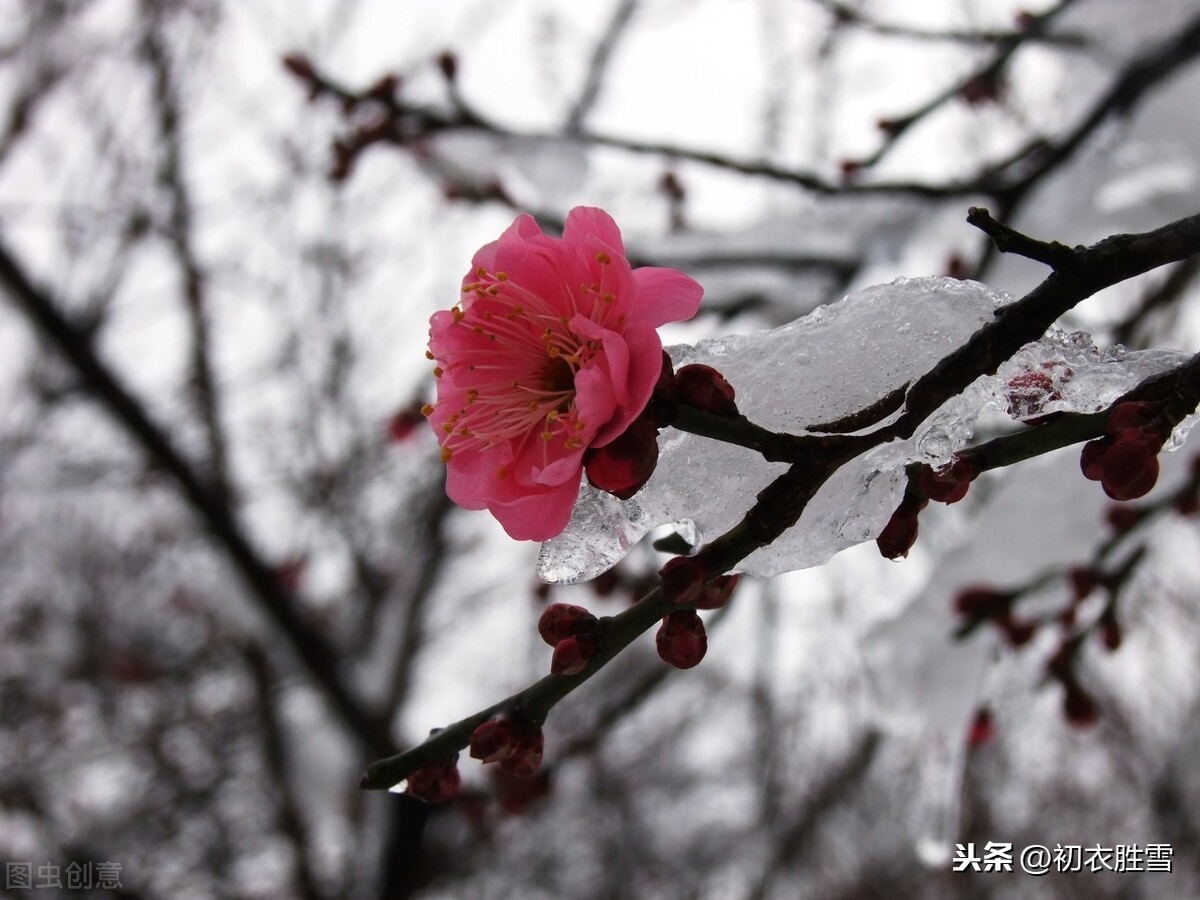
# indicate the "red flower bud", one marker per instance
pixel 1078 706
pixel 494 740
pixel 1083 582
pixel 526 755
pixel 900 533
pixel 982 602
pixel 511 741
pixel 563 620
pixel 1129 468
pixel 681 639
pixel 1110 630
pixel 717 593
pixel 705 388
pixel 982 89
pixel 624 465
pixel 982 729
pixel 435 782
pixel 404 422
pixel 664 388
pixel 1122 518
pixel 1188 502
pixel 682 580
pixel 1018 631
pixel 1091 459
pixel 571 655
pixel 949 485
pixel 448 62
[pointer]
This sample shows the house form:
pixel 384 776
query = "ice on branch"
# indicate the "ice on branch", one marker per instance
pixel 838 360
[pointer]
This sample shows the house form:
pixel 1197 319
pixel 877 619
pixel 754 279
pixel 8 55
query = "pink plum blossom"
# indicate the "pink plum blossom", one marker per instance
pixel 551 350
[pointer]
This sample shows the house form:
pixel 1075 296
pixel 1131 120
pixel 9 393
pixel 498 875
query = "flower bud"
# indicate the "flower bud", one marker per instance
pixel 511 741
pixel 983 728
pixel 622 466
pixel 1131 415
pixel 1078 706
pixel 1122 518
pixel 448 63
pixel 1083 581
pixel 682 580
pixel 563 620
pixel 571 655
pixel 435 782
pixel 493 740
pixel 681 640
pixel 705 388
pixel 1129 468
pixel 982 602
pixel 1188 502
pixel 949 485
pixel 1019 632
pixel 662 399
pixel 1091 459
pixel 526 755
pixel 900 533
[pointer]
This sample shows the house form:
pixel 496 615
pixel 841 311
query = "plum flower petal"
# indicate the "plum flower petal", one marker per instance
pixel 551 350
pixel 664 295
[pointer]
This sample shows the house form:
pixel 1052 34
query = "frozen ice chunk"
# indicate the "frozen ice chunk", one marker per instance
pixel 838 360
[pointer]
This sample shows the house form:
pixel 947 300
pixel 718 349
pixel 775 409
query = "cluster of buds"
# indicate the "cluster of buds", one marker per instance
pixel 435 782
pixel 1125 460
pixel 571 631
pixel 513 742
pixel 681 639
pixel 946 486
pixel 985 604
pixel 684 584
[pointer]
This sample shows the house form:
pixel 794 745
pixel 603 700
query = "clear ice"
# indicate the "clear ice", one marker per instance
pixel 838 360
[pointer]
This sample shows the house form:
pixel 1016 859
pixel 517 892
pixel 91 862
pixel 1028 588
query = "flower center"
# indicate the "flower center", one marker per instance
pixel 510 362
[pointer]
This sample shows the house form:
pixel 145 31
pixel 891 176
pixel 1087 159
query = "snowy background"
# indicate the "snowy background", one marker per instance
pixel 168 183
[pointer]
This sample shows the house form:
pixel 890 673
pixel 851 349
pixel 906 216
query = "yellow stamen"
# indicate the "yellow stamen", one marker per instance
pixel 603 258
pixel 427 410
pixel 446 454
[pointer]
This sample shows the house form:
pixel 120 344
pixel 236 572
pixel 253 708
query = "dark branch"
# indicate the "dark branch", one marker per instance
pixel 318 657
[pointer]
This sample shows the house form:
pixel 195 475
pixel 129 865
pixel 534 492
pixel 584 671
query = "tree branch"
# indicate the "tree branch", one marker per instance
pixel 817 458
pixel 317 656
